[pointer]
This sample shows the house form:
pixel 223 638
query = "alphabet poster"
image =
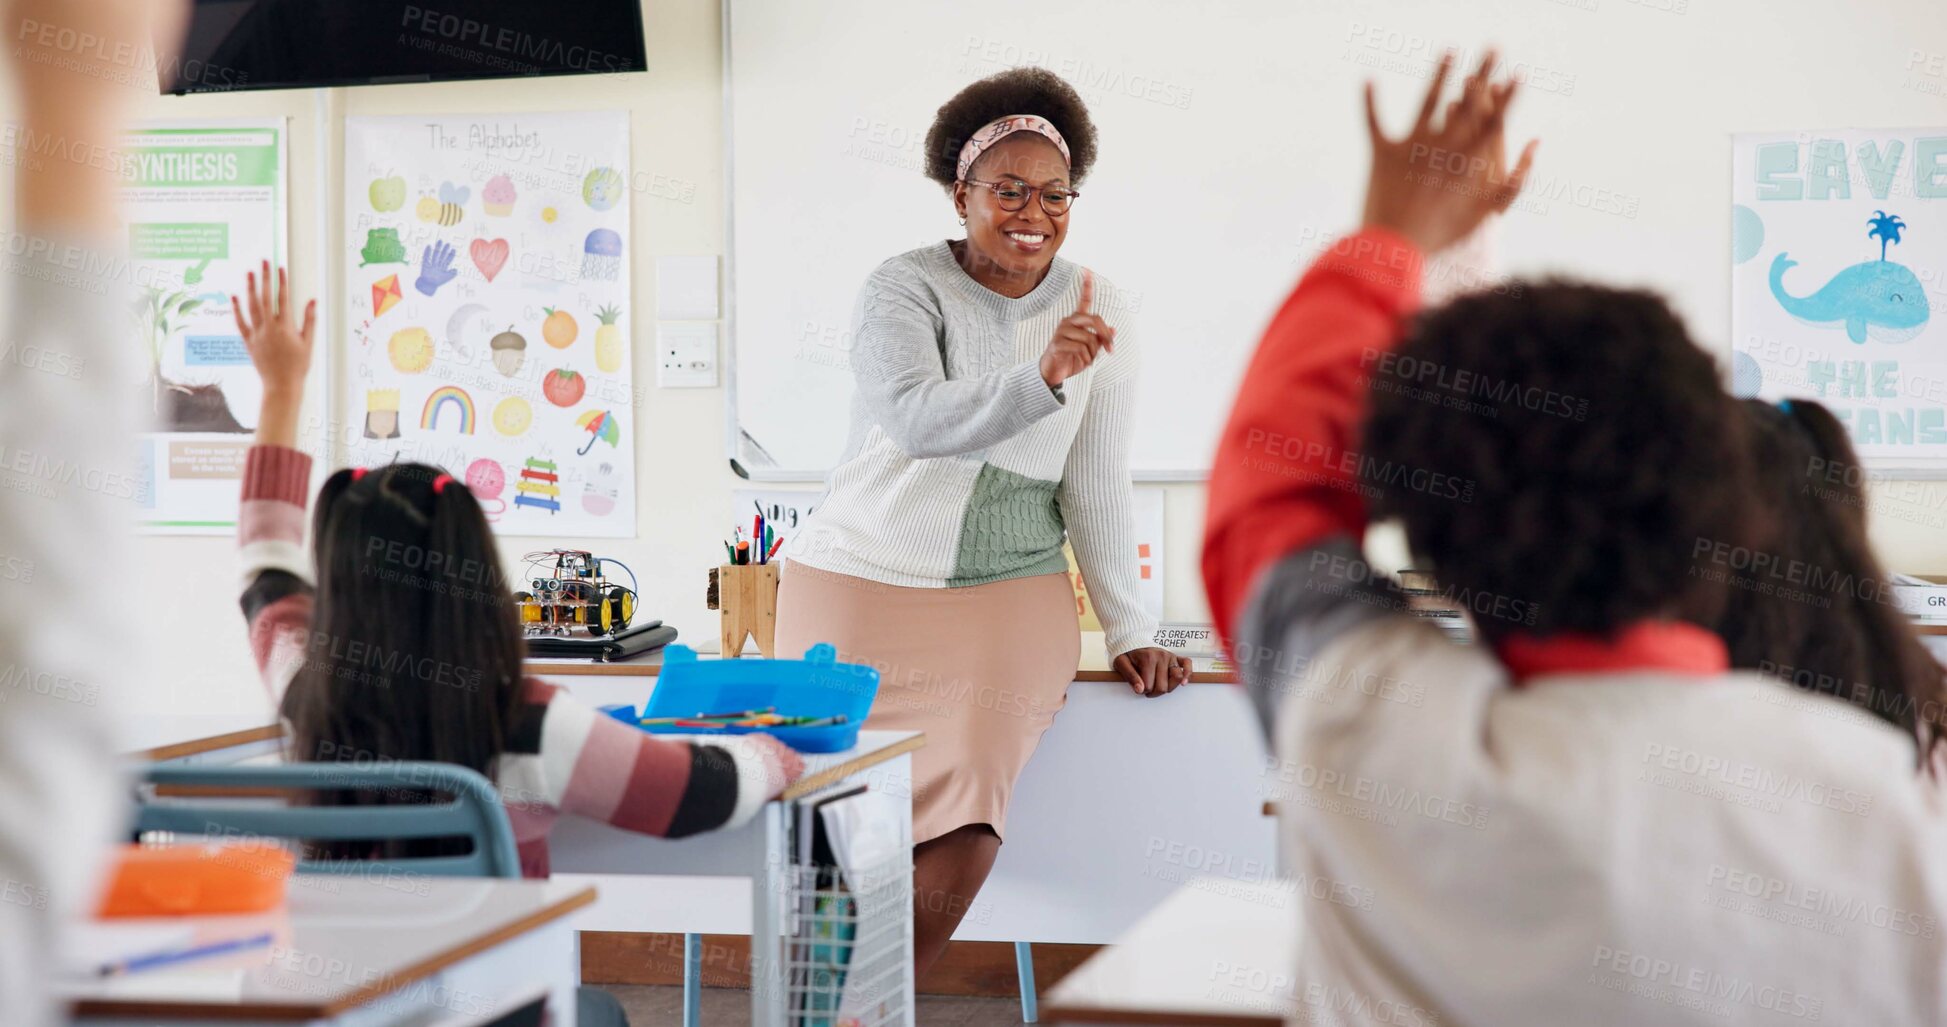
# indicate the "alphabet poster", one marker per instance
pixel 204 204
pixel 1839 280
pixel 487 277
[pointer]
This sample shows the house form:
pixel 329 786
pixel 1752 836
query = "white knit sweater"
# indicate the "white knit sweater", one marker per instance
pixel 962 466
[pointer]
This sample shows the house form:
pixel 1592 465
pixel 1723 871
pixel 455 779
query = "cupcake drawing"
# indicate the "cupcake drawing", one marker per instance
pixel 602 255
pixel 499 196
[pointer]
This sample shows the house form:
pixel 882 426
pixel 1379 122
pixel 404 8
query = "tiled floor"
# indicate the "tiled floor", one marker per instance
pixel 657 1006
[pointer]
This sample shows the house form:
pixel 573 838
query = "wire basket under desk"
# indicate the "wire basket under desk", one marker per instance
pixel 848 945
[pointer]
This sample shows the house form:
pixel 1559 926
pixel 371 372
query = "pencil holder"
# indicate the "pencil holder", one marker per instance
pixel 747 596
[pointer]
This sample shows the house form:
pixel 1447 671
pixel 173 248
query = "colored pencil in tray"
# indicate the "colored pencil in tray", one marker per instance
pixel 733 714
pixel 760 720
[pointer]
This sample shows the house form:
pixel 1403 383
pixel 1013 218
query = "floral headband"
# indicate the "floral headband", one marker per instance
pixel 1000 128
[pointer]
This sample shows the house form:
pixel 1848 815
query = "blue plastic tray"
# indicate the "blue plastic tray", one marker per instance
pixel 816 686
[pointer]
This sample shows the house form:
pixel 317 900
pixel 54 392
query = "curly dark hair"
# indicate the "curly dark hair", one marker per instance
pixel 1831 627
pixel 1594 445
pixel 1030 90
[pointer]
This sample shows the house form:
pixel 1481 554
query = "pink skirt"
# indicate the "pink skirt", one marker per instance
pixel 982 670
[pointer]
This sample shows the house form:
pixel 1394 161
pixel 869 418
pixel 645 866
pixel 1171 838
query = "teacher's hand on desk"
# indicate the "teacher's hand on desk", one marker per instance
pixel 1153 671
pixel 1078 339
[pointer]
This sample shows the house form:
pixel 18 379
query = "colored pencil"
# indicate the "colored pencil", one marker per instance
pixel 174 956
pixel 734 714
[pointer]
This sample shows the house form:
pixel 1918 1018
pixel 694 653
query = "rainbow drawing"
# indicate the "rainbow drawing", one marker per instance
pixel 429 417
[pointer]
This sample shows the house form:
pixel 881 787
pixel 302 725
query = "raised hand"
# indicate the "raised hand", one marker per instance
pixel 280 348
pixel 435 268
pixel 77 80
pixel 1438 182
pixel 1077 340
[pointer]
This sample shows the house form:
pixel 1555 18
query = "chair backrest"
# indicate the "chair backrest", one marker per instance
pixel 474 811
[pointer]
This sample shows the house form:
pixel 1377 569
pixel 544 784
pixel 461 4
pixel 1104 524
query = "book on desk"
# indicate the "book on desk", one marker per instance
pixel 622 645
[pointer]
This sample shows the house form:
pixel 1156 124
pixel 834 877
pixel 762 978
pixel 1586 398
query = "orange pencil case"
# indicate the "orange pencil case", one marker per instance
pixel 181 880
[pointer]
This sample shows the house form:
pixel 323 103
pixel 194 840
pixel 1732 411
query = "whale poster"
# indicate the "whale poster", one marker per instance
pixel 1839 283
pixel 487 312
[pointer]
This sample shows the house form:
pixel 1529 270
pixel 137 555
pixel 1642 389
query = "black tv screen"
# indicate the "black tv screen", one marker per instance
pixel 285 44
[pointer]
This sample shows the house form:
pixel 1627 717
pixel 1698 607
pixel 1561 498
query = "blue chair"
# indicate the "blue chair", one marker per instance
pixel 474 811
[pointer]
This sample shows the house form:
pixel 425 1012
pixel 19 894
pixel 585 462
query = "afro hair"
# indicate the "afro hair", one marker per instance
pixel 1036 91
pixel 1599 447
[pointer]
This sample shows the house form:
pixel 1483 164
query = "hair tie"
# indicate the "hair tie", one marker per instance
pixel 1784 406
pixel 441 482
pixel 1000 128
pixel 357 473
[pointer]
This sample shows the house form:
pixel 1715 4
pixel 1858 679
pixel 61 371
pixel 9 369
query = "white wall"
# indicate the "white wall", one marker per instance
pixel 683 479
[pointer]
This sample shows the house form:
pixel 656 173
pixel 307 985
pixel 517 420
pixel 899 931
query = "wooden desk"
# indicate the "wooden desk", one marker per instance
pixel 822 770
pixel 721 882
pixel 348 949
pixel 1086 850
pixel 263 736
pixel 734 882
pixel 1217 951
pixel 1094 666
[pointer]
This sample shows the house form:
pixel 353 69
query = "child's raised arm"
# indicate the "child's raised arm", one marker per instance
pixel 1285 477
pixel 280 349
pixel 276 481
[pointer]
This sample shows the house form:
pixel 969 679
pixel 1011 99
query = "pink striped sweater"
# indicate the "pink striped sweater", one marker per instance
pixel 562 757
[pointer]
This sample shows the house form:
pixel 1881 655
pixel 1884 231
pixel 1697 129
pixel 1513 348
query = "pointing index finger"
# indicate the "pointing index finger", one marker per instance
pixel 1088 291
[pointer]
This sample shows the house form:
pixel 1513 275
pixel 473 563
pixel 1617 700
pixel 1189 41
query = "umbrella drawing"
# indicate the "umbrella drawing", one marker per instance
pixel 600 425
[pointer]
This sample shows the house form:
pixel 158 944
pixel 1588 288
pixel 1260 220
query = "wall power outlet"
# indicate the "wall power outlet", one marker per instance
pixel 686 354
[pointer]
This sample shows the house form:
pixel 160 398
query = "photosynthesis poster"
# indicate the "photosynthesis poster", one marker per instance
pixel 1838 280
pixel 204 205
pixel 488 320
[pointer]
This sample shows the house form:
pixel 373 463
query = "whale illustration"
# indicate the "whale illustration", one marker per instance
pixel 1879 296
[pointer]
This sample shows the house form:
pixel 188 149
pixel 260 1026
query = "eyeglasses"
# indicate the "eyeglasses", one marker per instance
pixel 1012 193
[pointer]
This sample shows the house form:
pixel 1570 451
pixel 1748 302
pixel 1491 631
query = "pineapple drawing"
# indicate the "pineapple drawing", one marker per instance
pixel 608 340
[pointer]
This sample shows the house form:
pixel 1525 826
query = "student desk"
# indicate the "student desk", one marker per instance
pixel 171 736
pixel 727 882
pixel 723 882
pixel 352 950
pixel 1217 951
pixel 1125 799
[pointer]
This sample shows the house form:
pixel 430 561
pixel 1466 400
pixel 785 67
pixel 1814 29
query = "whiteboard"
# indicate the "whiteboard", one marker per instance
pixel 1231 148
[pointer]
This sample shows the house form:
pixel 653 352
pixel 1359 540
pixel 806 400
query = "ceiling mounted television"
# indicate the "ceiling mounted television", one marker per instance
pixel 289 44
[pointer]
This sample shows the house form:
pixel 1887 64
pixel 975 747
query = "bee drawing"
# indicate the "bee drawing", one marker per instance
pixel 448 209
